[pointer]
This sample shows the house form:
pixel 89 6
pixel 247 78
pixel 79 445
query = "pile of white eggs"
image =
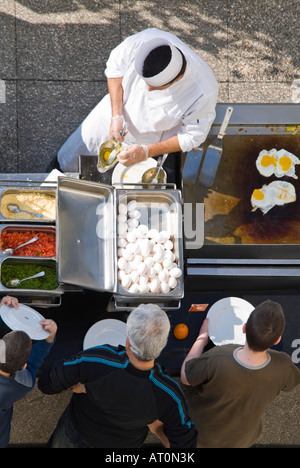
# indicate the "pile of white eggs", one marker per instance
pixel 146 261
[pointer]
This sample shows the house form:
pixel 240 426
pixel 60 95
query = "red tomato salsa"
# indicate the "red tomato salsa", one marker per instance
pixel 45 246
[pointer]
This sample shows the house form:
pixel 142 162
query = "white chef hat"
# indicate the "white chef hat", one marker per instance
pixel 169 72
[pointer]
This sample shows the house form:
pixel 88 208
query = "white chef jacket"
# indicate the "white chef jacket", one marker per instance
pixel 185 109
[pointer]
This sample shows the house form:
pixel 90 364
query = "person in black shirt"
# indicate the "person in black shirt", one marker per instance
pixel 119 393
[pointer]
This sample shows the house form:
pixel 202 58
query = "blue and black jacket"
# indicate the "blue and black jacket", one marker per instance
pixel 120 400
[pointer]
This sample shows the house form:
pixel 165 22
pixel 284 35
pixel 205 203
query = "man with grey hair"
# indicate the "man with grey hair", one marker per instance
pixel 120 393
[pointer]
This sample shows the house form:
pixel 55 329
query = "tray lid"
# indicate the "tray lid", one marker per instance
pixel 86 233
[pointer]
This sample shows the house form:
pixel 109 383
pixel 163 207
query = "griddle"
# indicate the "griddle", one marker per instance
pixel 229 219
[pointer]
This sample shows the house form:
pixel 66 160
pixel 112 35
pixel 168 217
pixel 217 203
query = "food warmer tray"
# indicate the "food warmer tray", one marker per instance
pixel 6 188
pixel 87 235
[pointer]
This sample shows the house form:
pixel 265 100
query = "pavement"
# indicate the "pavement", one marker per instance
pixel 52 60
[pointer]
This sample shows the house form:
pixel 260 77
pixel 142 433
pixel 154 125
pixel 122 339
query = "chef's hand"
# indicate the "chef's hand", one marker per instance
pixel 116 127
pixel 10 301
pixel 51 327
pixel 133 154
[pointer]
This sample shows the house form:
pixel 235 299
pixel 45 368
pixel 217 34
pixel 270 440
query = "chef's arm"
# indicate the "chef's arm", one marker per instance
pixel 115 90
pixel 167 146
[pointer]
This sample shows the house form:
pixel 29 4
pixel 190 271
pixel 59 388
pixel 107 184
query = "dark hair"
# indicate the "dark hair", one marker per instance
pixel 17 351
pixel 265 326
pixel 158 59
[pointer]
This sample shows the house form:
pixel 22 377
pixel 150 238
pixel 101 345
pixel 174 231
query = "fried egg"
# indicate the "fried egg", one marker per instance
pixel 266 162
pixel 275 194
pixel 280 163
pixel 286 163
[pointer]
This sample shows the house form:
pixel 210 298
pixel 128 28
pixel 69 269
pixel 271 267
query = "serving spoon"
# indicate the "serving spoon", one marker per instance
pixel 10 251
pixel 15 282
pixel 14 208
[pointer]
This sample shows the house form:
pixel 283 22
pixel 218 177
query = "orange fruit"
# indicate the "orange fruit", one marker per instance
pixel 181 331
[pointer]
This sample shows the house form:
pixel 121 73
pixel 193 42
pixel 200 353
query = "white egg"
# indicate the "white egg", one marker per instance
pixel 143 279
pixel 136 214
pixel 127 255
pixel 152 233
pixel 134 276
pixel 131 206
pixel 159 238
pixel 151 273
pixel 158 257
pixel 128 269
pixel 155 285
pixel 122 242
pixel 169 254
pixel 168 245
pixel 121 274
pixel 175 272
pixel 165 234
pixel 131 237
pixel 158 248
pixel 143 288
pixel 122 263
pixel 133 223
pixel 121 252
pixel 122 209
pixel 136 261
pixel 134 288
pixel 172 282
pixel 163 276
pixel 149 261
pixel 142 268
pixel 167 263
pixel 126 282
pixel 143 228
pixel 157 267
pixel 122 218
pixel 122 228
pixel 165 288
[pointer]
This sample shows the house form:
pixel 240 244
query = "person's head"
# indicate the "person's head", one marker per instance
pixel 160 64
pixel 17 351
pixel 265 326
pixel 147 330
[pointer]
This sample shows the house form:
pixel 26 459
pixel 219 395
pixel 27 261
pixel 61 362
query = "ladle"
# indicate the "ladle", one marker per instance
pixel 10 251
pixel 15 282
pixel 14 208
pixel 154 177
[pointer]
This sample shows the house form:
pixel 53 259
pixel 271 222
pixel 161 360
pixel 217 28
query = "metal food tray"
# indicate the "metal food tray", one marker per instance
pixel 25 188
pixel 161 210
pixel 87 233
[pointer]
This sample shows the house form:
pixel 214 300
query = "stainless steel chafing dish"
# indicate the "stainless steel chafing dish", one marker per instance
pixel 87 234
pixel 24 189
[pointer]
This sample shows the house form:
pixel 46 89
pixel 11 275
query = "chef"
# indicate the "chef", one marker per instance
pixel 164 92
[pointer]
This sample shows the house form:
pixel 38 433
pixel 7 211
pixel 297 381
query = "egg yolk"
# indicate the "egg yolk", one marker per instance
pixel 267 160
pixel 106 155
pixel 258 194
pixel 285 162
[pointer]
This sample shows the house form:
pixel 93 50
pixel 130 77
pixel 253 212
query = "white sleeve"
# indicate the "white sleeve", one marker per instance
pixel 122 56
pixel 197 122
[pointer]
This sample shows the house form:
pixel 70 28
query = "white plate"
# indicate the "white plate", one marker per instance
pixel 108 331
pixel 26 319
pixel 132 174
pixel 226 320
